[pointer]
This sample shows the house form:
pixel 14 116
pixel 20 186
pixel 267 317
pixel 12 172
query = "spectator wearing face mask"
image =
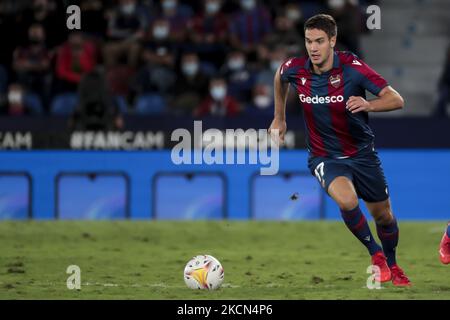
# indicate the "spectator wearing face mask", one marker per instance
pixel 238 75
pixel 250 26
pixel 126 28
pixel 177 15
pixel 32 63
pixel 158 74
pixel 218 102
pixel 288 30
pixel 191 85
pixel 208 32
pixel 262 101
pixel 16 102
pixel 275 58
pixel 75 57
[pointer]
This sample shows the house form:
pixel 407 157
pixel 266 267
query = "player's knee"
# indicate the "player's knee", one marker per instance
pixel 381 213
pixel 347 202
pixel 384 217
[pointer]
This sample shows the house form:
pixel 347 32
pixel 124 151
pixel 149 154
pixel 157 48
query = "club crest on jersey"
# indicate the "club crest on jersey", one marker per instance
pixel 335 81
pixel 303 79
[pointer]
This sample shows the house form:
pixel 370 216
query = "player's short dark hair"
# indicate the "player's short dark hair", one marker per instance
pixel 322 22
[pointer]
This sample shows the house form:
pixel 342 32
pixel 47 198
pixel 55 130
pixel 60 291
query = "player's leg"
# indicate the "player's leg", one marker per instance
pixel 336 178
pixel 342 191
pixel 444 248
pixel 388 232
pixel 371 185
pixel 387 228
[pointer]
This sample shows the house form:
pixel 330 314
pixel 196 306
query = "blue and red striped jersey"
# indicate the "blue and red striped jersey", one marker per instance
pixel 331 130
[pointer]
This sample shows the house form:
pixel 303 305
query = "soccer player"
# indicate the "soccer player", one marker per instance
pixel 331 88
pixel 444 250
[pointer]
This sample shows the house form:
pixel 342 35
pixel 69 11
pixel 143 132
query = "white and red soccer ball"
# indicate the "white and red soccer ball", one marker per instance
pixel 203 272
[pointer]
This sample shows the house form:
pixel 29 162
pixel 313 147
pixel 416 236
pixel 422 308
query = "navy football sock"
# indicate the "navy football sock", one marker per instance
pixel 448 230
pixel 357 223
pixel 388 235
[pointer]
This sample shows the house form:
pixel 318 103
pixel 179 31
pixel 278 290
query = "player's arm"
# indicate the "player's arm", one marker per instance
pixel 388 100
pixel 281 90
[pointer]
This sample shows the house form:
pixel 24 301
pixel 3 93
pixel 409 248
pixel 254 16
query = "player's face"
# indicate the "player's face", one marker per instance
pixel 319 46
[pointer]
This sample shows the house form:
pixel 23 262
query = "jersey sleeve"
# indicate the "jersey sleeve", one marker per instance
pixel 286 70
pixel 369 79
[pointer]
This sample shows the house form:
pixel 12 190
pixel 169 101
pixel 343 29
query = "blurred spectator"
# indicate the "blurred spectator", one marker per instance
pixel 208 32
pixel 12 7
pixel 218 102
pixel 159 56
pixel 250 26
pixel 11 31
pixel 126 27
pixel 348 20
pixel 44 12
pixel 16 104
pixel 243 41
pixel 119 80
pixel 239 77
pixel 32 63
pixel 177 15
pixel 96 110
pixel 288 31
pixel 275 58
pixel 76 57
pixel 94 18
pixel 262 101
pixel 444 89
pixel 191 85
pixel 293 11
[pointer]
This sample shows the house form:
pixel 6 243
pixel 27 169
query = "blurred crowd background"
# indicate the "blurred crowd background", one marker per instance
pixel 182 58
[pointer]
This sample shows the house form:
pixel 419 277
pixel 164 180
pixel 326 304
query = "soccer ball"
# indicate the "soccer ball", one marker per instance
pixel 203 272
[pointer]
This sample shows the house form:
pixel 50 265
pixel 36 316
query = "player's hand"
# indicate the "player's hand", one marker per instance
pixel 281 126
pixel 358 104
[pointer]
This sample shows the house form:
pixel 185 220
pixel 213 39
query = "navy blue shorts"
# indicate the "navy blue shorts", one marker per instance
pixel 364 171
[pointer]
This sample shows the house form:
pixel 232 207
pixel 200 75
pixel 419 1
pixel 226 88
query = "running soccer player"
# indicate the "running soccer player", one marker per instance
pixel 331 88
pixel 444 249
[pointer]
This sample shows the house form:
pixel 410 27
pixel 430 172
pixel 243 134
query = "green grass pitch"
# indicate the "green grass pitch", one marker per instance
pixel 262 260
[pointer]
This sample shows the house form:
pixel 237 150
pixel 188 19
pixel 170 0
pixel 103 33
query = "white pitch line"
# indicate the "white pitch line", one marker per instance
pixel 152 285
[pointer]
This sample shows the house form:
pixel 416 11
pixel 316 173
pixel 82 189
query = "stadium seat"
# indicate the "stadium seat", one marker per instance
pixel 64 104
pixel 34 103
pixel 150 104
